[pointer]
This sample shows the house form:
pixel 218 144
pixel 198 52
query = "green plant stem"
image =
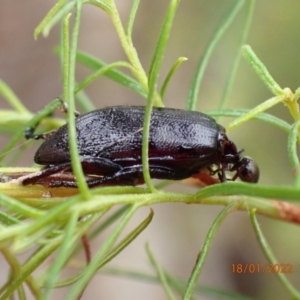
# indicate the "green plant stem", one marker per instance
pixel 132 18
pixel 271 257
pixel 255 111
pixel 15 269
pixel 261 71
pixel 175 66
pixel 131 53
pixel 179 285
pixel 212 195
pixel 204 251
pixel 113 74
pixel 292 152
pixel 195 85
pixel 160 274
pixel 235 64
pixel 34 262
pixel 267 118
pixel 62 256
pixel 115 251
pixel 31 123
pixel 20 208
pixel 153 77
pixel 100 72
pixel 50 15
pixel 145 144
pixel 248 195
pixel 69 88
pixel 91 269
pixel 12 99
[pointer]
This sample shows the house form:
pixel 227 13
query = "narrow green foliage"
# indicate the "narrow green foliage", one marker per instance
pixel 261 70
pixel 12 98
pixel 35 120
pixel 160 274
pixel 113 218
pixel 91 269
pixel 69 84
pixel 49 17
pixel 162 43
pixel 62 256
pixel 177 284
pixel 153 76
pixel 115 75
pixel 204 250
pixel 100 72
pixel 240 188
pixel 53 221
pixel 271 257
pixel 52 217
pixel 235 64
pixel 132 18
pixel 265 117
pixel 116 250
pixel 292 151
pixel 127 240
pixel 18 207
pixel 195 85
pixel 32 264
pixel 105 5
pixel 256 111
pixel 178 62
pixel 16 270
pixel 129 49
pixel 7 220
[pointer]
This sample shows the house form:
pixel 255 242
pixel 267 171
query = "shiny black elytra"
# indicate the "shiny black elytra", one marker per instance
pixel 181 144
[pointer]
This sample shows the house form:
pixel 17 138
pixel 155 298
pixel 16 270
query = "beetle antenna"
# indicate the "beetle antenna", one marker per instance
pixel 240 151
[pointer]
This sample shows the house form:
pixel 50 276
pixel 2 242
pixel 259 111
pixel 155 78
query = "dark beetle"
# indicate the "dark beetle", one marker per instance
pixel 181 144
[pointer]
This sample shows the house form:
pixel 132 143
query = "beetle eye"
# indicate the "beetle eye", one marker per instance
pixel 249 170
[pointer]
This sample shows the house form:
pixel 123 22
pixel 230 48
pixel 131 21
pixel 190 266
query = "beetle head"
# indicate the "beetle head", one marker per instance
pixel 248 170
pixel 245 167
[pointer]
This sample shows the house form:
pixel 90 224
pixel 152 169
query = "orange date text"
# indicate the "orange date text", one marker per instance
pixel 262 268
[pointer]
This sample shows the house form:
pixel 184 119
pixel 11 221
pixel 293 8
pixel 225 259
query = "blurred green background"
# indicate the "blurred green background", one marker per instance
pixel 177 231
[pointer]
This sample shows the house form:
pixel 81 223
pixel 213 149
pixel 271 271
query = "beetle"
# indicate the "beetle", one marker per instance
pixel 181 143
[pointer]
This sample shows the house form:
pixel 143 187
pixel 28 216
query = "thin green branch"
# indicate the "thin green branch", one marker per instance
pixel 235 64
pixel 176 65
pixel 261 71
pixel 92 268
pixel 160 274
pixel 292 151
pixel 255 111
pixel 128 47
pixel 47 23
pixel 132 18
pixel 12 99
pixel 204 251
pixel 69 83
pixel 62 256
pixel 195 85
pixel 271 257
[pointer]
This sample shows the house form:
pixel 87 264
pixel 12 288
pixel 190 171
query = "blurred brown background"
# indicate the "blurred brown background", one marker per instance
pixel 177 231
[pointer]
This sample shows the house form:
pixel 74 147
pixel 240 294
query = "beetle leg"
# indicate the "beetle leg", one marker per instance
pixel 126 176
pixel 222 175
pixel 99 166
pixel 134 175
pixel 29 132
pixel 90 165
pixel 35 177
pixel 220 171
pixel 64 108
